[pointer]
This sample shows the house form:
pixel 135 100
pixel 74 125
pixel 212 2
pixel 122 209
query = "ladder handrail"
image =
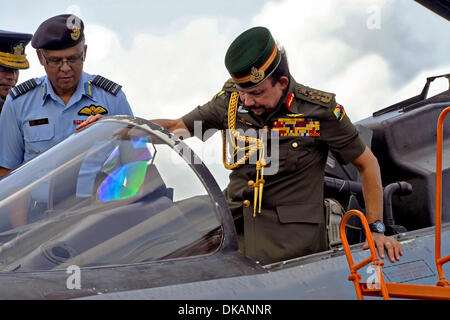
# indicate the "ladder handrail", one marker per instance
pixel 382 288
pixel 373 258
pixel 438 225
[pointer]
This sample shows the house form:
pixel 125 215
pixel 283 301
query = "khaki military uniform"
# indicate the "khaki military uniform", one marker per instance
pixel 310 124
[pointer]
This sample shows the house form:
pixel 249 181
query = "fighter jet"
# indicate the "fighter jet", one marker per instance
pixel 106 214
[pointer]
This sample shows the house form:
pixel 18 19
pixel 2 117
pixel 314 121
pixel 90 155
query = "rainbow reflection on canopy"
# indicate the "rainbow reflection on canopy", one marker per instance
pixel 126 169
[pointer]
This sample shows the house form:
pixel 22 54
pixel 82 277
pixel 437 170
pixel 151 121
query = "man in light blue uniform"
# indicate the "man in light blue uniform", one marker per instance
pixel 42 112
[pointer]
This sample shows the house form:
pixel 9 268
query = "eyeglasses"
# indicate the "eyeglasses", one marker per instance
pixel 75 60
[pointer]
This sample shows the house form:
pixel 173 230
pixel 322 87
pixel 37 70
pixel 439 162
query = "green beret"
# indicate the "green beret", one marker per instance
pixel 252 57
pixel 58 33
pixel 12 49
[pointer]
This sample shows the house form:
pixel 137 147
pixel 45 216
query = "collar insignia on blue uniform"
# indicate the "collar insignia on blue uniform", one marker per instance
pixel 44 90
pixel 242 109
pixel 23 88
pixel 297 127
pixel 92 111
pixel 88 89
pixel 339 112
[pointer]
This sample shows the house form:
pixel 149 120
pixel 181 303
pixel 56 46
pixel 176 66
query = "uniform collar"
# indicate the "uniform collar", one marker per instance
pixel 87 87
pixel 82 90
pixel 289 97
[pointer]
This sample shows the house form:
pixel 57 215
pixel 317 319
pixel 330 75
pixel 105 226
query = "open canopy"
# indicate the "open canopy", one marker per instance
pixel 116 193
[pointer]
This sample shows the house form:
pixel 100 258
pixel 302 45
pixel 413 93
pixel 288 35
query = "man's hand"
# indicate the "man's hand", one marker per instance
pixel 393 247
pixel 90 120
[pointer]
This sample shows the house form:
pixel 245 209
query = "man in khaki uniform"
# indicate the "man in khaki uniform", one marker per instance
pixel 283 212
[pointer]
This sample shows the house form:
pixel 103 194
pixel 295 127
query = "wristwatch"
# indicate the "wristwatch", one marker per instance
pixel 377 227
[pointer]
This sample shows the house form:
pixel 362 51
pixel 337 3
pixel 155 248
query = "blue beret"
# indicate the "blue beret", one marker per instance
pixel 58 33
pixel 12 49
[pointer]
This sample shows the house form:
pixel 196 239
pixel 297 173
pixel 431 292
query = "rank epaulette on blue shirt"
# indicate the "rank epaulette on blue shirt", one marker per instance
pixel 23 88
pixel 107 85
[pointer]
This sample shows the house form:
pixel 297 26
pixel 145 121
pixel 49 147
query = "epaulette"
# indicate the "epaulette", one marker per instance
pixel 230 85
pixel 23 88
pixel 107 85
pixel 315 96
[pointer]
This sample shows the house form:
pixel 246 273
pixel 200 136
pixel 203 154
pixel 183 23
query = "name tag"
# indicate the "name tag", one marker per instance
pixel 39 122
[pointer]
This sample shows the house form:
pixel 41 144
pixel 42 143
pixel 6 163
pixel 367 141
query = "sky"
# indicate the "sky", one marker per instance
pixel 169 55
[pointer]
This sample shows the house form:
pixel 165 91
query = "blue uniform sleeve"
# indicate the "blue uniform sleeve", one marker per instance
pixel 11 138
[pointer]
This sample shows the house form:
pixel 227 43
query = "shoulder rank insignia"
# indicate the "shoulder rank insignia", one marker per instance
pixel 229 86
pixel 107 85
pixel 339 112
pixel 92 111
pixel 23 88
pixel 315 96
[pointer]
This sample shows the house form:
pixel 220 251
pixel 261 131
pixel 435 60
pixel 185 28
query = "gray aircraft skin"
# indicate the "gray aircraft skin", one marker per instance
pixel 124 210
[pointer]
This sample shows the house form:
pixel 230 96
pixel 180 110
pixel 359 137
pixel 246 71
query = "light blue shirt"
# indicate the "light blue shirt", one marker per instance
pixel 39 119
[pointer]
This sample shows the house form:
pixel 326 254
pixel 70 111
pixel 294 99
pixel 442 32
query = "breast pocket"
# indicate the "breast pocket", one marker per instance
pixel 298 151
pixel 37 139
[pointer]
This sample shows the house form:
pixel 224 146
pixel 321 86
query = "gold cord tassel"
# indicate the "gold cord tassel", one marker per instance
pixel 255 145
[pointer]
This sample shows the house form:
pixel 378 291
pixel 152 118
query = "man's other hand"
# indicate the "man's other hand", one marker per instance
pixel 393 247
pixel 90 120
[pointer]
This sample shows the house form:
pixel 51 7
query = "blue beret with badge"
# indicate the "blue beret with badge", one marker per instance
pixel 12 49
pixel 58 33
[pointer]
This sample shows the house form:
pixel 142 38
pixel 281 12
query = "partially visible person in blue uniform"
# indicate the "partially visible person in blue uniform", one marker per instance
pixel 42 112
pixel 12 59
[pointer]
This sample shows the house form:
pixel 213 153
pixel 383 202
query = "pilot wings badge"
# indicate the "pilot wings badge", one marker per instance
pixel 92 111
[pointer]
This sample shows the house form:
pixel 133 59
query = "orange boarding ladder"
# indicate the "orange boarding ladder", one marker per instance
pixel 397 290
pixel 443 282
